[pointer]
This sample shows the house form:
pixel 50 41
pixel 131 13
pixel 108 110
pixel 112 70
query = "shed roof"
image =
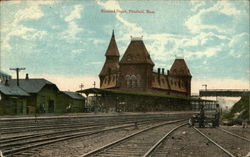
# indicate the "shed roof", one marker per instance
pixel 74 95
pixel 12 90
pixel 31 85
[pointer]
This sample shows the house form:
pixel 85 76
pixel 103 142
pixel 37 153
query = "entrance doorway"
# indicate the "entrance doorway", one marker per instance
pixel 51 106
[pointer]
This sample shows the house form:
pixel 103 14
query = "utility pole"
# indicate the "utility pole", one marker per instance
pixel 81 86
pixel 17 74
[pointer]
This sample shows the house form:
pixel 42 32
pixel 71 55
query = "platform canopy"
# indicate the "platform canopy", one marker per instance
pixel 130 93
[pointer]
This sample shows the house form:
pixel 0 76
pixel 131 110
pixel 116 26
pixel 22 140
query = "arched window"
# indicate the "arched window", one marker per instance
pixel 128 81
pixel 134 82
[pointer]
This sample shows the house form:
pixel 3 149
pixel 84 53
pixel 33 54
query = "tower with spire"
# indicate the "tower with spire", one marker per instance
pixel 110 70
pixel 134 72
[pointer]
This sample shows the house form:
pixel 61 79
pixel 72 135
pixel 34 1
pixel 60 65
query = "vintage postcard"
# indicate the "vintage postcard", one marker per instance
pixel 123 78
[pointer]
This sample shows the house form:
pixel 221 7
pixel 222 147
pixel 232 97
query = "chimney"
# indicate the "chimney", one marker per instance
pixel 163 71
pixel 159 71
pixel 27 77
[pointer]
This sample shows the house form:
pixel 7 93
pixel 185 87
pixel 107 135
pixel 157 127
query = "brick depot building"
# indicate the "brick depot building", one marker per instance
pixel 134 72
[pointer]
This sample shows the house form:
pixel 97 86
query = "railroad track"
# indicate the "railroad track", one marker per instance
pixel 243 138
pixel 77 129
pixel 141 143
pixel 40 126
pixel 219 145
pixel 12 146
pixel 77 126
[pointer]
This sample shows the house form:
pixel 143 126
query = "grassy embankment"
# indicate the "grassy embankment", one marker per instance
pixel 239 111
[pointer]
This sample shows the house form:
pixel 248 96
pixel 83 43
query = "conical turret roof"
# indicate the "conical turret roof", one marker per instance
pixel 180 68
pixel 136 53
pixel 111 64
pixel 112 48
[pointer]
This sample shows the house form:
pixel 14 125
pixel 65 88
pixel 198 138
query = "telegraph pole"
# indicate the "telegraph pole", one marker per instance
pixel 81 86
pixel 17 74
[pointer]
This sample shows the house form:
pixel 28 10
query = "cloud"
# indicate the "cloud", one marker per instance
pixel 15 29
pixel 239 45
pixel 209 52
pixel 197 5
pixel 78 51
pixel 73 29
pixel 221 9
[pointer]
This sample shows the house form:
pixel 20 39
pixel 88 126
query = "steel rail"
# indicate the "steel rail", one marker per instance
pixel 243 138
pixel 55 139
pixel 105 147
pixel 215 143
pixel 17 138
pixel 37 127
pixel 34 144
pixel 153 148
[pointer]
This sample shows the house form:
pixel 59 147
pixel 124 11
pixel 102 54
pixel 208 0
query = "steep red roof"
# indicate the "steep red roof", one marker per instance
pixel 111 64
pixel 112 48
pixel 180 68
pixel 136 53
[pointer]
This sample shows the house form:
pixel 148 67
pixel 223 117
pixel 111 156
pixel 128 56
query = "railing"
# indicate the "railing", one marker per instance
pixel 224 92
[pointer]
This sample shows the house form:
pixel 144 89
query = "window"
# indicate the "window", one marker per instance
pixel 128 81
pixel 134 81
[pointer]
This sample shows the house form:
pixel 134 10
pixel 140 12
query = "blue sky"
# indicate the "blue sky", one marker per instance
pixel 65 41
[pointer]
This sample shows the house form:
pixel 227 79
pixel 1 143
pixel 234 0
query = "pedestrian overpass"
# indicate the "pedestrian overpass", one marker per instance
pixel 223 92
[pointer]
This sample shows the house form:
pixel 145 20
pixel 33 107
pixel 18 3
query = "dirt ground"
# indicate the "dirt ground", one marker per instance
pixel 234 145
pixel 239 130
pixel 186 142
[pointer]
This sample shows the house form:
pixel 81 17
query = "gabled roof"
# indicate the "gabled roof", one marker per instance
pixel 73 95
pixel 180 68
pixel 136 53
pixel 112 48
pixel 12 90
pixel 31 85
